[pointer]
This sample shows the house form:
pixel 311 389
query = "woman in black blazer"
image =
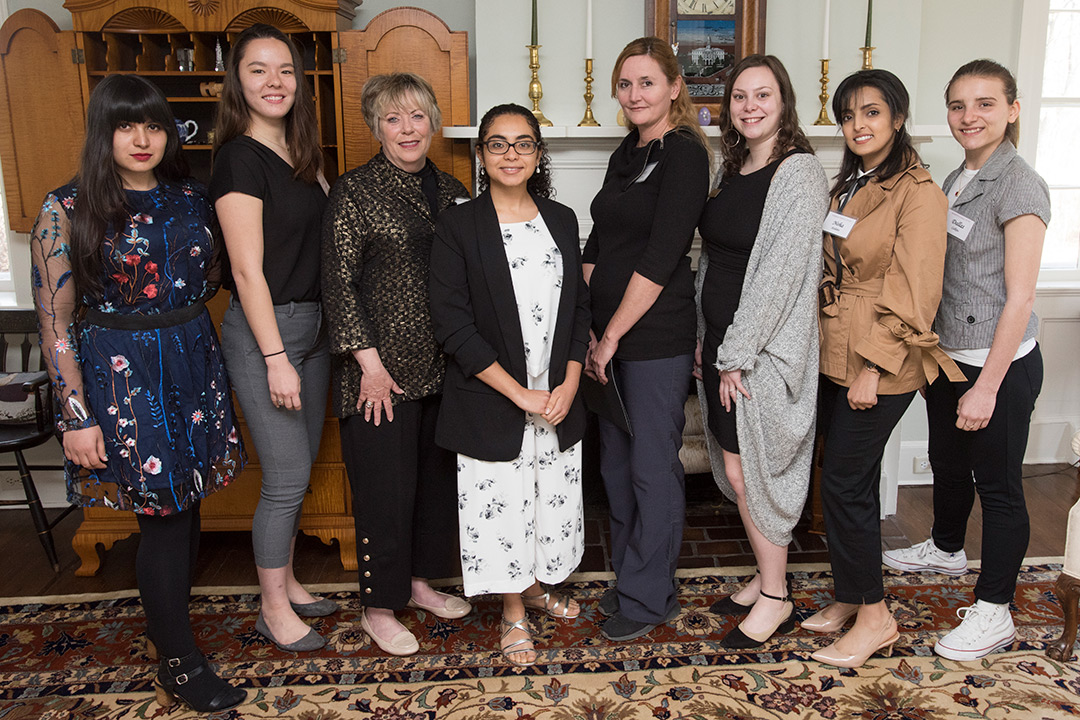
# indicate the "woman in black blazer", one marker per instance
pixel 510 308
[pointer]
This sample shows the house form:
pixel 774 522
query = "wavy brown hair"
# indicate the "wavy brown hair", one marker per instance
pixel 101 205
pixel 990 69
pixel 733 147
pixel 682 113
pixel 301 125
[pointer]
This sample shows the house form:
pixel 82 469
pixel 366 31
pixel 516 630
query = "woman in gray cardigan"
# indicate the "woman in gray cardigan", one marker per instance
pixel 757 296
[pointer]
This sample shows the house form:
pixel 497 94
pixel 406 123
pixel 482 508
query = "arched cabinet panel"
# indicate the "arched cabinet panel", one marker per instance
pixel 41 112
pixel 412 40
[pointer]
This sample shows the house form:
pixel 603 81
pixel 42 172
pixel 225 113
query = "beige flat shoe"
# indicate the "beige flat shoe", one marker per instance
pixel 404 643
pixel 452 607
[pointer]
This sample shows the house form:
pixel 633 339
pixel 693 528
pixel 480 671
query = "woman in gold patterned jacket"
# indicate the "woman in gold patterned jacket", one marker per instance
pixel 387 367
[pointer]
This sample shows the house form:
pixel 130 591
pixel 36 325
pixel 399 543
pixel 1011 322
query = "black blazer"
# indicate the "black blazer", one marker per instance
pixel 474 313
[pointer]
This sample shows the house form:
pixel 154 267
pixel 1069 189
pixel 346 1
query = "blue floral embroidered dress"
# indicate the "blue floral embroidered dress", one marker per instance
pixel 160 395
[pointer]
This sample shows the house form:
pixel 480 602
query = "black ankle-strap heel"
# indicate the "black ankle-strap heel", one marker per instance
pixel 737 639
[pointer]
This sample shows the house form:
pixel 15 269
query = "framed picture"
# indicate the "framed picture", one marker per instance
pixel 709 37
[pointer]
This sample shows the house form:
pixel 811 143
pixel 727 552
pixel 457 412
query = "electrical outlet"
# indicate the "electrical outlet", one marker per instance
pixel 920 464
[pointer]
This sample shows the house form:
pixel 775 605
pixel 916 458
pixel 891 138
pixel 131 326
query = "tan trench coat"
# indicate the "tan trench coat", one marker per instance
pixel 894 261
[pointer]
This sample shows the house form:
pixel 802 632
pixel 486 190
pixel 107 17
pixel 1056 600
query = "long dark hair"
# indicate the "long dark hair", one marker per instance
pixel 540 182
pixel 903 152
pixel 301 125
pixel 101 205
pixel 990 69
pixel 790 135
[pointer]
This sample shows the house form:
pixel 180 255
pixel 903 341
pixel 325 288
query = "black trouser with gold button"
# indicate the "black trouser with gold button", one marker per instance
pixel 404 491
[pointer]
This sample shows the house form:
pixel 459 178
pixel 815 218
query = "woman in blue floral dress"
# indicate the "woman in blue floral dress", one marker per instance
pixel 122 259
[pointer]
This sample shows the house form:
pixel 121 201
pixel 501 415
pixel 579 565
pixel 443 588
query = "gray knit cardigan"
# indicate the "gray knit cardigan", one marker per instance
pixel 773 340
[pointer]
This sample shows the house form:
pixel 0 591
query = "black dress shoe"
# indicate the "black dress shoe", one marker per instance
pixel 619 628
pixel 609 602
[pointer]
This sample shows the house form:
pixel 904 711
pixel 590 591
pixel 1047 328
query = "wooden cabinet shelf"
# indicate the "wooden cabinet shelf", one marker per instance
pixel 47 75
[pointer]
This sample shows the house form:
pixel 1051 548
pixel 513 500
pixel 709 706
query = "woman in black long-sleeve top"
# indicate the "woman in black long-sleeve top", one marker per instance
pixel 638 267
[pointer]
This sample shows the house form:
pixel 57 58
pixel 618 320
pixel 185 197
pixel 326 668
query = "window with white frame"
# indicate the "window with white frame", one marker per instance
pixel 1057 157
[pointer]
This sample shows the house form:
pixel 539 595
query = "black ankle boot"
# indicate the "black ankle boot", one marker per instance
pixel 191 679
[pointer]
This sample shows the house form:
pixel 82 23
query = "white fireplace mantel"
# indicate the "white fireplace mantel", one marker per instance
pixel 579 156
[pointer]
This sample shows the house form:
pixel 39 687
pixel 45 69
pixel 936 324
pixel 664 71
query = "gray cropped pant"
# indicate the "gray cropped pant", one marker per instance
pixel 286 441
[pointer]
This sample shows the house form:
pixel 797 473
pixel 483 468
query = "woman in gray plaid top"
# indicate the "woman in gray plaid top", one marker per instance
pixel 998 211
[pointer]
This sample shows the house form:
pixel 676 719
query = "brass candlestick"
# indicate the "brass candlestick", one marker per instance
pixel 867 58
pixel 588 120
pixel 823 116
pixel 536 90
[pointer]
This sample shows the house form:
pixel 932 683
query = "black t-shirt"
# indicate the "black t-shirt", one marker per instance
pixel 291 216
pixel 643 221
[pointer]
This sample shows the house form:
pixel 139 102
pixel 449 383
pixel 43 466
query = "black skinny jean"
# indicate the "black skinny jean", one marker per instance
pixel 990 462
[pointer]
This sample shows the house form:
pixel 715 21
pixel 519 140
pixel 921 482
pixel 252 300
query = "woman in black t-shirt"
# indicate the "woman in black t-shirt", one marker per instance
pixel 637 265
pixel 269 194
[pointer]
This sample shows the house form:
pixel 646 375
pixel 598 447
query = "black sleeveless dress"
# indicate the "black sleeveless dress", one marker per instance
pixel 729 225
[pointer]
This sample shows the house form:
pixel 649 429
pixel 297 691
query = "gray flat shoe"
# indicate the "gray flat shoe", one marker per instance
pixel 311 641
pixel 320 608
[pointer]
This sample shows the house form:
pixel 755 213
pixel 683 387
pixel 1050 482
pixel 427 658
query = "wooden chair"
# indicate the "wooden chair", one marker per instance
pixel 27 424
pixel 1067 588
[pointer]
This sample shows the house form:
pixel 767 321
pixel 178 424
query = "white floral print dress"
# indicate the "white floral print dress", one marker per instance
pixel 522 520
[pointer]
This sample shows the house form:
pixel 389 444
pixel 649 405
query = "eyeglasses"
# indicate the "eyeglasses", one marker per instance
pixel 500 147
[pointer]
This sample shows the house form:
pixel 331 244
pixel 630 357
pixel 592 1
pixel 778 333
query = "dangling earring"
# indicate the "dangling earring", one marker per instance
pixel 731 145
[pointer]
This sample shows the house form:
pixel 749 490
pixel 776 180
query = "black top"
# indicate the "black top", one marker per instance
pixel 729 226
pixel 643 221
pixel 291 216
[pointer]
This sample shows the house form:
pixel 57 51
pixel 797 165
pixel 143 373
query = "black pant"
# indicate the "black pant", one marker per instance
pixel 164 567
pixel 990 462
pixel 404 490
pixel 850 488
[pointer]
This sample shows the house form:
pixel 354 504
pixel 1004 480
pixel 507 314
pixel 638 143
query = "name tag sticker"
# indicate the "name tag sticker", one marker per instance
pixel 838 224
pixel 960 226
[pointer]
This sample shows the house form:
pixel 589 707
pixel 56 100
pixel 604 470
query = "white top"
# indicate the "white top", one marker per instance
pixel 536 269
pixel 962 181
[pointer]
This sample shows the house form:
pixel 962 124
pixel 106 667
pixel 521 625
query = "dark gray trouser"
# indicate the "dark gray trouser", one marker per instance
pixel 643 477
pixel 286 441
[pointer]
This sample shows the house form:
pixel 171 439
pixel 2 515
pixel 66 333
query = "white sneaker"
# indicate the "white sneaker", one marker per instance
pixel 986 627
pixel 926 557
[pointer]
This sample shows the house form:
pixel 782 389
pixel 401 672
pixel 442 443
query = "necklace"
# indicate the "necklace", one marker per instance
pixel 268 141
pixel 962 182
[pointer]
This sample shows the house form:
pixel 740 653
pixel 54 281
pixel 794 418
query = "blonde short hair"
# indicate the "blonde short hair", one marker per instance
pixel 396 90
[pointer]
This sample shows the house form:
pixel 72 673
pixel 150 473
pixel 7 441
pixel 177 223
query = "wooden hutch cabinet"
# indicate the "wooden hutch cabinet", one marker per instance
pixel 46 76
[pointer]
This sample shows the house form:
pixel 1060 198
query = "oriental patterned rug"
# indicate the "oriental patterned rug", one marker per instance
pixel 83 658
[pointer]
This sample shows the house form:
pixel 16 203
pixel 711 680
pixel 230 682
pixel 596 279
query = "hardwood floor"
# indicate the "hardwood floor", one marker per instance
pixel 712 538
